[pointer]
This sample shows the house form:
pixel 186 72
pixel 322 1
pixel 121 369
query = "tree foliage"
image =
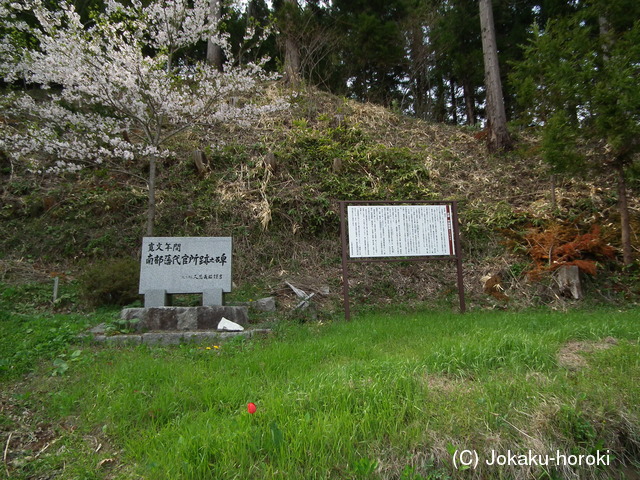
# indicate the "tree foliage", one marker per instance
pixel 423 57
pixel 373 49
pixel 117 88
pixel 579 81
pixel 122 78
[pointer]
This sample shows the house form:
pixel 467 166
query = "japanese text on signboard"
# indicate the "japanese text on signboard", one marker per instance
pixel 400 230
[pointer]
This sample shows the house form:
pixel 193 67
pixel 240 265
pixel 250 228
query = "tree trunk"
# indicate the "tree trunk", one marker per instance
pixel 623 209
pixel 214 51
pixel 151 211
pixel 291 47
pixel 440 106
pixel 498 138
pixel 417 65
pixel 292 61
pixel 469 102
pixel 454 102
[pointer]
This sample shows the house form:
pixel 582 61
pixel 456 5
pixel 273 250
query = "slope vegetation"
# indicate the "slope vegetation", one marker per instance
pixel 274 187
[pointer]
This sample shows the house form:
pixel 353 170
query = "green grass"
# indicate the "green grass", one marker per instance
pixel 30 332
pixel 383 397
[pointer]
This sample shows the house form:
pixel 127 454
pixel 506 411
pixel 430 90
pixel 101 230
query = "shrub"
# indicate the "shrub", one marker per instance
pixel 560 245
pixel 111 282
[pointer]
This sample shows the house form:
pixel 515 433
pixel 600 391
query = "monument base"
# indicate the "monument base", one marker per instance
pixel 184 318
pixel 173 338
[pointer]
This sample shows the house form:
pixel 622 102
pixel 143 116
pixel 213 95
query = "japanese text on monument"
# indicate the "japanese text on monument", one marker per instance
pixel 185 264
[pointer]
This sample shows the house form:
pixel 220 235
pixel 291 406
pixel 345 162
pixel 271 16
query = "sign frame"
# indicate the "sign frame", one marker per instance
pixel 453 230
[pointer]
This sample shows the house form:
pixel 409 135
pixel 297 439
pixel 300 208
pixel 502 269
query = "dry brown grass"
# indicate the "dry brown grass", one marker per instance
pixel 490 191
pixel 571 355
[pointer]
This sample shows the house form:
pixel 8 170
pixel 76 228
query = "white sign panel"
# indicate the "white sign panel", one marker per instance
pixel 185 264
pixel 400 231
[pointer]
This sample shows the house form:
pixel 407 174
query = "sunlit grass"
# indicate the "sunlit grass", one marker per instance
pixel 383 396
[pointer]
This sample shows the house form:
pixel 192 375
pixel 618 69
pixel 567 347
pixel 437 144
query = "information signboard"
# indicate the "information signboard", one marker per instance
pixel 399 231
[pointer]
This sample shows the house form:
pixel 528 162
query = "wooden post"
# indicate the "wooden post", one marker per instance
pixel 456 243
pixel 345 274
pixel 56 283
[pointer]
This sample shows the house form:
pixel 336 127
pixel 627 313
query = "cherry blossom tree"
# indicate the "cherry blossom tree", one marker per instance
pixel 117 88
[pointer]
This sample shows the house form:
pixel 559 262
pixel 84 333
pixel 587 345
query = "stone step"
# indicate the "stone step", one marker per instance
pixel 173 338
pixel 184 318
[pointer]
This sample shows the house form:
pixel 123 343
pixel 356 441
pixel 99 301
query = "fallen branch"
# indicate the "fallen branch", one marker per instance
pixel 512 425
pixel 4 456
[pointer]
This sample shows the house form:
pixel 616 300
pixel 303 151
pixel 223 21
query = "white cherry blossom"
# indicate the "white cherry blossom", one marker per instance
pixel 118 74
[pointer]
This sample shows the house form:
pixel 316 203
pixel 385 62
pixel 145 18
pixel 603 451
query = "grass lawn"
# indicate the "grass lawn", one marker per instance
pixel 385 396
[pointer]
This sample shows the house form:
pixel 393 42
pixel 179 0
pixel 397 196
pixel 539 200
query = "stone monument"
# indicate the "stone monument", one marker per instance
pixel 185 265
pixel 174 265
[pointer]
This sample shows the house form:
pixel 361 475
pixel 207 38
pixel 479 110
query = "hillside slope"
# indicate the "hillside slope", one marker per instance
pixel 274 187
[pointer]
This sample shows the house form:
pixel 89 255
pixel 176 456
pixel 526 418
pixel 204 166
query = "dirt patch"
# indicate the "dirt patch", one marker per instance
pixel 447 385
pixel 570 355
pixel 24 436
pixel 34 444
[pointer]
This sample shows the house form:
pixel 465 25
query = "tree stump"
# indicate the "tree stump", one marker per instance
pixel 199 160
pixel 568 279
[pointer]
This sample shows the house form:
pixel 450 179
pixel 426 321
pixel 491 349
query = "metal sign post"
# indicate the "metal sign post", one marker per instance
pixel 399 232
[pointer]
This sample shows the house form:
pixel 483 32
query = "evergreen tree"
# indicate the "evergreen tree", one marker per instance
pixel 373 53
pixel 456 40
pixel 498 137
pixel 579 81
pixel 290 27
pixel 419 29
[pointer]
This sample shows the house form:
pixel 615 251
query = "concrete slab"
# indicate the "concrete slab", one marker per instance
pixel 212 297
pixel 267 304
pixel 164 338
pixel 155 298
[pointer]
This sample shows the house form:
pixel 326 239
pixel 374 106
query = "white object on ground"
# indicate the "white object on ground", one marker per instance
pixel 230 326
